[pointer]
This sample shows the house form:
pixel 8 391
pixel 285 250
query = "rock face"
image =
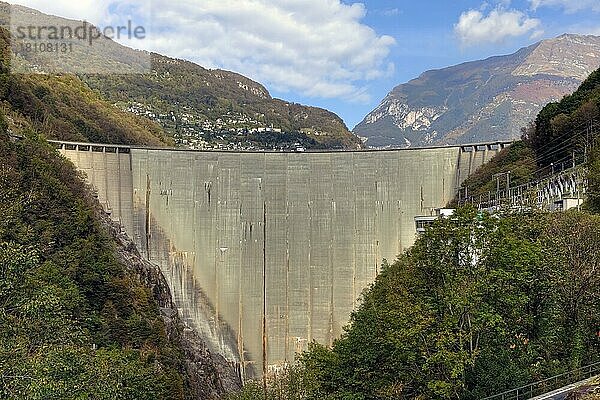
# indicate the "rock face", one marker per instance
pixel 482 100
pixel 209 375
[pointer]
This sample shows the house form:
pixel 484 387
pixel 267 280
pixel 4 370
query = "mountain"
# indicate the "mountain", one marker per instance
pixel 484 100
pixel 61 106
pixel 207 108
pixel 195 106
pixel 64 108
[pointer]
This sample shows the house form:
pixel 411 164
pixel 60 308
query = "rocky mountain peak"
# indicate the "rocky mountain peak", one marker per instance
pixel 484 100
pixel 568 56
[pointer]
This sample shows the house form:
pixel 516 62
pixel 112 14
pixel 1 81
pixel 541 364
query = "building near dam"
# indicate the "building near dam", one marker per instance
pixel 265 251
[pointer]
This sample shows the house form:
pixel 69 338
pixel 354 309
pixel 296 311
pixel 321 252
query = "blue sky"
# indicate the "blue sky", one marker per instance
pixel 341 55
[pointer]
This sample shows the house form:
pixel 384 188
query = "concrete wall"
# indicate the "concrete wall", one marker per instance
pixel 291 239
pixel 108 168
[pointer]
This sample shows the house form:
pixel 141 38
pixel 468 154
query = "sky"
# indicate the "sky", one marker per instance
pixel 338 54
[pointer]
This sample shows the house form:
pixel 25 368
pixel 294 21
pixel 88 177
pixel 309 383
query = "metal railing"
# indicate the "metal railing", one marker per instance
pixel 548 385
pixel 567 177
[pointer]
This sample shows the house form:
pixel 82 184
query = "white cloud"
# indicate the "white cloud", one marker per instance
pixel 474 27
pixel 318 48
pixel 570 6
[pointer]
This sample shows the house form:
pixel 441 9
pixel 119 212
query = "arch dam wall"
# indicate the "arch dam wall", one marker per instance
pixel 266 252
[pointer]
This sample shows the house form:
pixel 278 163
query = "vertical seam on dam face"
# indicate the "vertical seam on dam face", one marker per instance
pixel 328 220
pixel 264 310
pixel 147 216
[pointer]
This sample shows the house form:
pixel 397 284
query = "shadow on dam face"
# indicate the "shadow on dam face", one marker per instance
pixel 266 252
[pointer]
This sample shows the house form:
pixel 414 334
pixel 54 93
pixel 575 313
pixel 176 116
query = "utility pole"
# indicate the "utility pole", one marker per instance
pixel 497 177
pixel 500 175
pixel 588 134
pixel 592 135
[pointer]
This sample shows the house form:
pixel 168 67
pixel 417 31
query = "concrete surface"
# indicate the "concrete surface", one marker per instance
pixel 291 239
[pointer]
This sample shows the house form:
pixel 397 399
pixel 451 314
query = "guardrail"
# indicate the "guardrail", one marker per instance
pixel 547 385
pixel 470 147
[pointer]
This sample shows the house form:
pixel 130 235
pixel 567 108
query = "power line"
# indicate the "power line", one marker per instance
pixel 569 132
pixel 565 145
pixel 572 135
pixel 557 150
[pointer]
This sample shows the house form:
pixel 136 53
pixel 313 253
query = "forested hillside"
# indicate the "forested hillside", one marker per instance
pixel 479 305
pixel 197 105
pixel 77 320
pixel 64 108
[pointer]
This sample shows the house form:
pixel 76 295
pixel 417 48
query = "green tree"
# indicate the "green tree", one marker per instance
pixel 479 305
pixel 74 322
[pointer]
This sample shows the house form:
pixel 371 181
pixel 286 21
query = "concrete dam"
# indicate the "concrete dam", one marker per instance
pixel 267 251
